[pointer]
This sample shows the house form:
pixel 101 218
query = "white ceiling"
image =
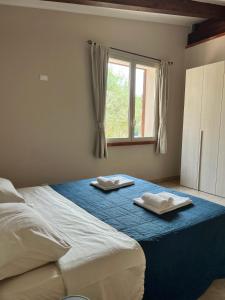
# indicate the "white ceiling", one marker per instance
pixel 109 12
pixel 220 2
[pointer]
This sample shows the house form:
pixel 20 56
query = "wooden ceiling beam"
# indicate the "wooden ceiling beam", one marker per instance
pixel 172 7
pixel 206 30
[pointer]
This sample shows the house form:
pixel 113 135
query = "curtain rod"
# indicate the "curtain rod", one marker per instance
pixel 149 57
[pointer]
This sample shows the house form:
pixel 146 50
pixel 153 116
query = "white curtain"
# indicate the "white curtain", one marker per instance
pixel 162 96
pixel 99 66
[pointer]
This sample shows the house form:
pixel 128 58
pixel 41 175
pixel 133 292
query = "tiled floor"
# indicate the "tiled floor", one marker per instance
pixel 217 290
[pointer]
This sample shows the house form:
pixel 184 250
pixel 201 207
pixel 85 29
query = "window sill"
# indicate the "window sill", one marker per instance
pixel 111 144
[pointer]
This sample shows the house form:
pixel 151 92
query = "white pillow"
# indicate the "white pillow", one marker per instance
pixel 27 241
pixel 8 193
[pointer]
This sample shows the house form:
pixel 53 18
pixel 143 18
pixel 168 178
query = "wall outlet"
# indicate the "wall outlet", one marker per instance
pixel 43 77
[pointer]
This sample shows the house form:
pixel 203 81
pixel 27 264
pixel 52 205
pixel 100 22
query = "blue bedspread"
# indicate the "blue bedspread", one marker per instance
pixel 184 249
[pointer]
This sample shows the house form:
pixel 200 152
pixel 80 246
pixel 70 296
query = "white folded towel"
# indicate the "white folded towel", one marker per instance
pixel 159 201
pixel 168 196
pixel 176 199
pixel 178 202
pixel 107 182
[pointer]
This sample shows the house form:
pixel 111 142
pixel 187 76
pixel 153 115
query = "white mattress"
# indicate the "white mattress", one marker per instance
pixel 103 264
pixel 44 283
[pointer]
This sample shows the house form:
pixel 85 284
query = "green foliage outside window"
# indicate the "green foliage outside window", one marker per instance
pixel 117 107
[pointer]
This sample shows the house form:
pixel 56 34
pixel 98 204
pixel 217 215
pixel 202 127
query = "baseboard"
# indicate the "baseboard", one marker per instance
pixel 160 180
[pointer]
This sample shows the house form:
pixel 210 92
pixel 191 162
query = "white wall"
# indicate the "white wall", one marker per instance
pixel 205 53
pixel 47 129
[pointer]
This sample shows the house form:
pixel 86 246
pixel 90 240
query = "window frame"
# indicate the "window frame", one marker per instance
pixel 133 60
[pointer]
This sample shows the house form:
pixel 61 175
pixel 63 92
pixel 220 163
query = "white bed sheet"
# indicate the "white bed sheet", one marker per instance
pixel 103 264
pixel 44 283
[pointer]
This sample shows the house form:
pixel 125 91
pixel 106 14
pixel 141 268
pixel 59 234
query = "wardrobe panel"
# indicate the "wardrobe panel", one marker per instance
pixel 210 125
pixel 191 128
pixel 220 183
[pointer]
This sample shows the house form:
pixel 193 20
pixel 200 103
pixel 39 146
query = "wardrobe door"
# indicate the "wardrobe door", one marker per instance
pixel 210 125
pixel 192 128
pixel 220 183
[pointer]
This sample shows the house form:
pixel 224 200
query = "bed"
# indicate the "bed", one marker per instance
pixel 184 249
pixel 118 247
pixel 102 263
pixel 44 283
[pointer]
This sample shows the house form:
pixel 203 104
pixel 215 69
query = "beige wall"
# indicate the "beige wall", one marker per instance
pixel 205 53
pixel 47 128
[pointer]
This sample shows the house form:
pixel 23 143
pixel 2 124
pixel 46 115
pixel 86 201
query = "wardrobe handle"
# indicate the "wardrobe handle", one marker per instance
pixel 200 158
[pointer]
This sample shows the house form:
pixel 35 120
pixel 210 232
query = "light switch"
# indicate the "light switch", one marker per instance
pixel 43 77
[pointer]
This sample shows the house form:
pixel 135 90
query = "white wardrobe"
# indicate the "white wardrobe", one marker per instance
pixel 203 148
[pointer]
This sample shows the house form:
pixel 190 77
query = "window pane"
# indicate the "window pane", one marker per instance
pixel 117 101
pixel 145 83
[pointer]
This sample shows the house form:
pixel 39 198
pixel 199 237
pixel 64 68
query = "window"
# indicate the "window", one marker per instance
pixel 130 102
